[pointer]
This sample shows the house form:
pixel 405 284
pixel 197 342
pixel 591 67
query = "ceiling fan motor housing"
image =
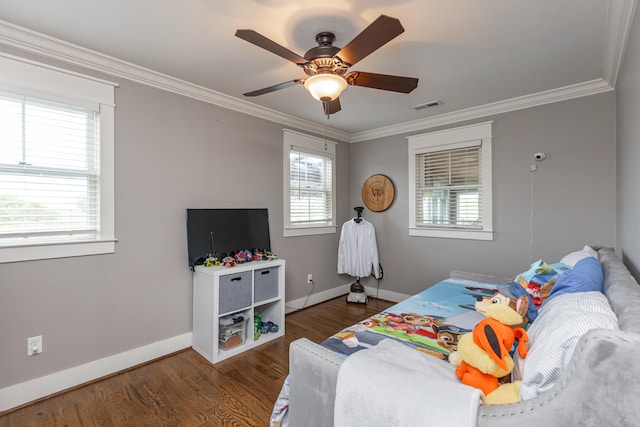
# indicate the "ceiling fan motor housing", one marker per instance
pixel 322 58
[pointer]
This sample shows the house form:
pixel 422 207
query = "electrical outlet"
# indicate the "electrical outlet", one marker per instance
pixel 309 279
pixel 34 345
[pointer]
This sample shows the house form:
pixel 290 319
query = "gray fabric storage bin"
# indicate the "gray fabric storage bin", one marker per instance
pixel 265 284
pixel 235 292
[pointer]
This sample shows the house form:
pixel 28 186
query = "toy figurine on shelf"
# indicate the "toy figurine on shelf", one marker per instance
pixel 211 261
pixel 259 255
pixel 243 256
pixel 270 255
pixel 229 261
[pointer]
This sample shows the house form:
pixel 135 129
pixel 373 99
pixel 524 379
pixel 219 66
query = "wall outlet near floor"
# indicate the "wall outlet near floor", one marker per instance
pixel 34 345
pixel 309 279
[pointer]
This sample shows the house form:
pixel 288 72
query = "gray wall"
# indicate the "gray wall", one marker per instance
pixel 574 195
pixel 172 153
pixel 628 134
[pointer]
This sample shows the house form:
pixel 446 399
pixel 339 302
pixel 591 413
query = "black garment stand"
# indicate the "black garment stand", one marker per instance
pixel 357 292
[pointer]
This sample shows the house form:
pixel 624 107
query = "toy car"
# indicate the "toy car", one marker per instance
pixel 243 256
pixel 268 327
pixel 211 261
pixel 270 255
pixel 229 261
pixel 258 255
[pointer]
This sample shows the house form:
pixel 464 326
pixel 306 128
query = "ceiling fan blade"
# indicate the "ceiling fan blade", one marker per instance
pixel 382 81
pixel 331 106
pixel 377 34
pixel 275 87
pixel 273 47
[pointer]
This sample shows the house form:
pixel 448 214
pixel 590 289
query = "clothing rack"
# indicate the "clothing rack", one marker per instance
pixel 358 210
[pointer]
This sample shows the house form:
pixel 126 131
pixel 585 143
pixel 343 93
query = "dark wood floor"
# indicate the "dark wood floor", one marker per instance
pixel 183 389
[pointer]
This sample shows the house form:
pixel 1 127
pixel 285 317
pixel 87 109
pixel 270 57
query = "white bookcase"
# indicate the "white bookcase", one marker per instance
pixel 247 289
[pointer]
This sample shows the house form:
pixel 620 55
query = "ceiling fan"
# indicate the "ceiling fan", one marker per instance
pixel 327 65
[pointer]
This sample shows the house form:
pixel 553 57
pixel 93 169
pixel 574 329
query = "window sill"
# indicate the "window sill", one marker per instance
pixel 452 234
pixel 37 251
pixel 309 231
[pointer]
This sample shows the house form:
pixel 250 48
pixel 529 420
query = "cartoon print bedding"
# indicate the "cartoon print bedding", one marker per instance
pixel 430 321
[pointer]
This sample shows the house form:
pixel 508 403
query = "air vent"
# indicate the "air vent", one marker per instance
pixel 427 105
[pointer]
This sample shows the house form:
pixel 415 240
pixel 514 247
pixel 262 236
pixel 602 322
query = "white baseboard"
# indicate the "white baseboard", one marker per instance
pixel 37 388
pixel 28 391
pixel 323 296
pixel 385 294
pixel 298 304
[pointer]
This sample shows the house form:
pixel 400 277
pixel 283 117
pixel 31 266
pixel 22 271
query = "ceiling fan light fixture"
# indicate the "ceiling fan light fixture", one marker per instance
pixel 325 87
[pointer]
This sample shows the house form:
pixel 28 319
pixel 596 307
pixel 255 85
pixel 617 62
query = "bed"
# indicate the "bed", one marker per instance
pixel 430 321
pixel 596 386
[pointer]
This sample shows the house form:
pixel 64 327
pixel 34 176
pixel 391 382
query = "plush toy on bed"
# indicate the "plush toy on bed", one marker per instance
pixel 515 297
pixel 483 354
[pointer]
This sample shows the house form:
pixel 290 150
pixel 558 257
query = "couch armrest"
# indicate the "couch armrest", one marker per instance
pixel 599 388
pixel 313 375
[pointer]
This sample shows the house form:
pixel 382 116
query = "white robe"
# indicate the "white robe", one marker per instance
pixel 357 250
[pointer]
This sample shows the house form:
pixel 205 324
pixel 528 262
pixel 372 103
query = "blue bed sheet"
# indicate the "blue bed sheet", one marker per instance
pixel 430 321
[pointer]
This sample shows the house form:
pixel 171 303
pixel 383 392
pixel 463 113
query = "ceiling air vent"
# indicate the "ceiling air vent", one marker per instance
pixel 427 105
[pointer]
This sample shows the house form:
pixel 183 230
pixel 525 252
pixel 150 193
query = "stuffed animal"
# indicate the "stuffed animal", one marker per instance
pixel 483 354
pixel 515 297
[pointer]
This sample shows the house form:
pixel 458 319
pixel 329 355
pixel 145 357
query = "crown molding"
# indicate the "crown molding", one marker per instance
pixel 52 48
pixel 619 18
pixel 541 98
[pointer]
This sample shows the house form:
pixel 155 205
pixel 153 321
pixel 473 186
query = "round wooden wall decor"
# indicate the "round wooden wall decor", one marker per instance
pixel 378 193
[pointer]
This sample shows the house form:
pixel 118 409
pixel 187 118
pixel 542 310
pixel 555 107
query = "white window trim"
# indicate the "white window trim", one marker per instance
pixel 311 144
pixel 56 84
pixel 464 136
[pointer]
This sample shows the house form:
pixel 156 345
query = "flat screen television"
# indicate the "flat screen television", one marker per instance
pixel 221 231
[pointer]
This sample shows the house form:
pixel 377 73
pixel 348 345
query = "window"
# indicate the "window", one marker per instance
pixel 56 163
pixel 309 185
pixel 450 183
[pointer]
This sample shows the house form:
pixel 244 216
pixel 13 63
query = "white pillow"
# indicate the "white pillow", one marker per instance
pixel 554 335
pixel 572 259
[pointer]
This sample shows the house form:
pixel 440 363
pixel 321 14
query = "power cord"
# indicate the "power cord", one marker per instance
pixel 313 286
pixel 537 158
pixel 531 229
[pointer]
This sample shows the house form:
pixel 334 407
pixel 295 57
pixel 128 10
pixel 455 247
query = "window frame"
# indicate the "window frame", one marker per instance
pixel 296 141
pixel 49 83
pixel 479 134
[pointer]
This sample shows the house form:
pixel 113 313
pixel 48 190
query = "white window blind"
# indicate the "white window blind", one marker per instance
pixel 450 183
pixel 449 188
pixel 309 185
pixel 311 188
pixel 49 184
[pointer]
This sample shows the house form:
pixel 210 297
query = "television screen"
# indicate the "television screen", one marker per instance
pixel 221 231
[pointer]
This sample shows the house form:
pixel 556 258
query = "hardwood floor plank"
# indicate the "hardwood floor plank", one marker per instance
pixel 184 389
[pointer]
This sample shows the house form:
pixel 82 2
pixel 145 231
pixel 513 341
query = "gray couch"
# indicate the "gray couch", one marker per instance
pixel 600 388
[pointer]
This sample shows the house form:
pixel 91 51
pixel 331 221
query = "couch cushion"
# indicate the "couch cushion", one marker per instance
pixel 622 290
pixel 572 258
pixel 553 337
pixel 586 276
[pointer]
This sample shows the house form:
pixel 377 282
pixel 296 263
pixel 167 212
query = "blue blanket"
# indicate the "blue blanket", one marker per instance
pixel 430 321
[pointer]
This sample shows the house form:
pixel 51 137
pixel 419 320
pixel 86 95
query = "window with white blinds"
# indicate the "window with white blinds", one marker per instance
pixel 48 169
pixel 448 188
pixel 310 188
pixel 56 162
pixel 450 183
pixel 309 185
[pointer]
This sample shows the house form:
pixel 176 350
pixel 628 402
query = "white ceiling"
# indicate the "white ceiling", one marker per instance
pixel 466 53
